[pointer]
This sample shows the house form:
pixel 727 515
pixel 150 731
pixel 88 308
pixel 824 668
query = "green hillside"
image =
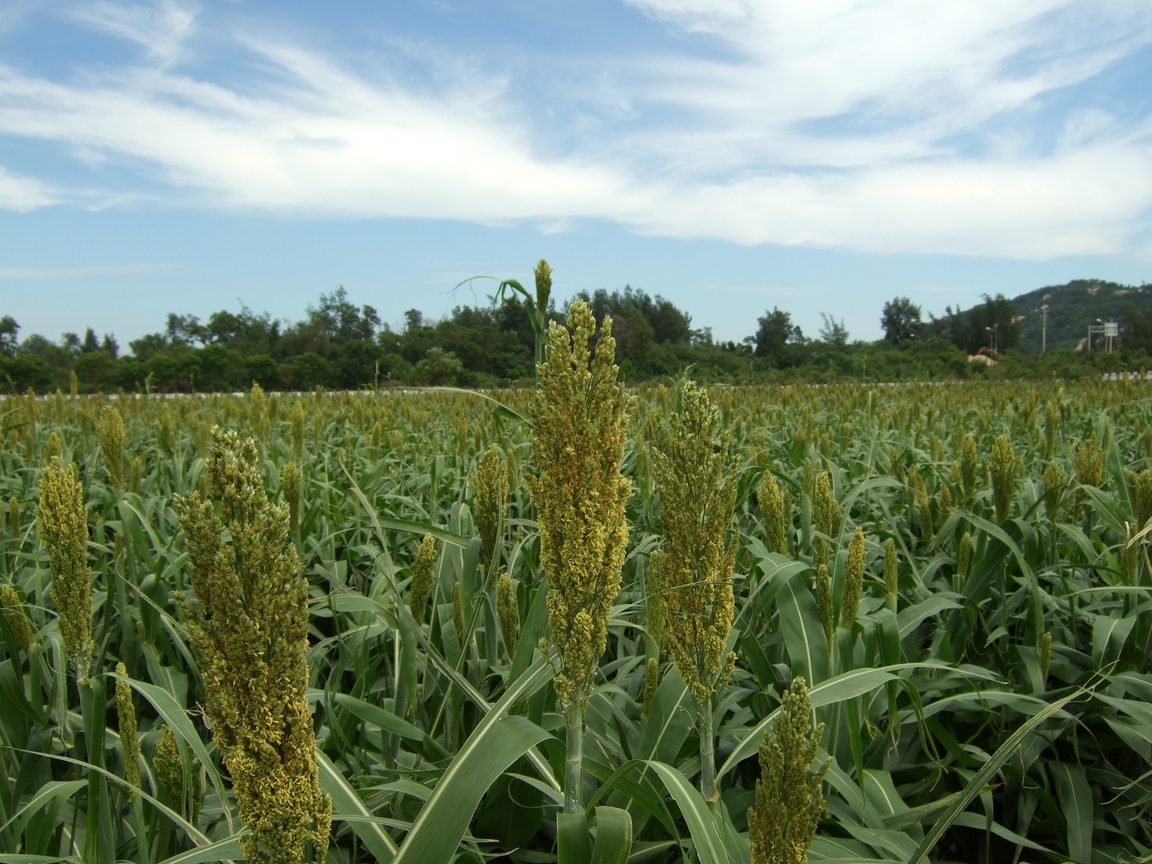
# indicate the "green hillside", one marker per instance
pixel 1072 307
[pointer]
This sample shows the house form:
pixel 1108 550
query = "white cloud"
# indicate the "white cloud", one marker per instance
pixel 825 124
pixel 161 29
pixel 23 194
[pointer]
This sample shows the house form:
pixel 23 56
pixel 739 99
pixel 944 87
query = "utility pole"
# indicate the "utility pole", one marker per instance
pixel 1044 329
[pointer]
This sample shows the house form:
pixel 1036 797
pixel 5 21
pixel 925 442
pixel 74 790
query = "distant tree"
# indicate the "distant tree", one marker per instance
pixel 70 342
pixel 36 344
pixel 900 319
pixel 110 346
pixel 413 319
pixel 998 315
pixel 1136 332
pixel 90 343
pixel 775 331
pixel 9 330
pixel 439 368
pixel 832 333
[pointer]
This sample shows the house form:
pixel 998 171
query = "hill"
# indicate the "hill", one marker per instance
pixel 1071 308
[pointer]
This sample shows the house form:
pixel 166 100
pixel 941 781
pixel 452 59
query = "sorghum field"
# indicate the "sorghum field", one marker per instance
pixel 444 625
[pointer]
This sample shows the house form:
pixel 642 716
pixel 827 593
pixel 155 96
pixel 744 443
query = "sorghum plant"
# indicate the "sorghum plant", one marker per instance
pixel 64 530
pixel 249 632
pixel 578 427
pixel 693 569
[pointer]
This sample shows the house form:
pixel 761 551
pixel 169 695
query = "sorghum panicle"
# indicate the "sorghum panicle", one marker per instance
pixel 1004 465
pixel 126 719
pixel 110 429
pixel 1089 461
pixel 64 530
pixel 789 802
pixel 421 588
pixel 17 618
pixel 249 633
pixel 772 506
pixel 853 579
pixel 508 610
pixel 290 492
pixel 1142 496
pixel 964 555
pixel 1046 654
pixel 579 418
pixel 697 501
pixel 824 603
pixel 491 484
pixel 1053 479
pixel 891 571
pixel 184 789
pixel 968 464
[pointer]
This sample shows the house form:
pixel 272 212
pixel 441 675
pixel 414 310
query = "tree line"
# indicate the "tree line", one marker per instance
pixel 341 345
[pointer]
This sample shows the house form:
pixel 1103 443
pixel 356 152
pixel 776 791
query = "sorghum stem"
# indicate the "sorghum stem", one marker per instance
pixel 573 758
pixel 707 751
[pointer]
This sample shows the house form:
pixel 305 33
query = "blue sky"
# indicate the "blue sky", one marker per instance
pixel 731 155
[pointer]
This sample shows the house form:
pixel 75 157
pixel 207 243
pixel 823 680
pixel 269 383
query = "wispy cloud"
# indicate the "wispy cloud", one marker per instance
pixel 94 271
pixel 830 124
pixel 161 29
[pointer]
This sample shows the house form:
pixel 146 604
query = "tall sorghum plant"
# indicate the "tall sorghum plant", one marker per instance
pixel 578 427
pixel 693 569
pixel 249 633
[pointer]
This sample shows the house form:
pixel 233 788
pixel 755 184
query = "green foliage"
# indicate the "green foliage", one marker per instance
pixel 987 702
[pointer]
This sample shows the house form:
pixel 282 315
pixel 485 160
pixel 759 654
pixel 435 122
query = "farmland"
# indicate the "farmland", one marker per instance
pixel 978 658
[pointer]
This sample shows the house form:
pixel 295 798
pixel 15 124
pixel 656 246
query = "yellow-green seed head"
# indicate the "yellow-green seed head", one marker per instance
pixel 891 568
pixel 183 788
pixel 651 682
pixel 136 475
pixel 126 716
pixel 14 516
pixel 508 610
pixel 290 490
pixel 772 506
pixel 824 603
pixel 697 502
pixel 16 617
pixel 853 579
pixel 543 274
pixel 946 503
pixel 64 530
pixel 491 484
pixel 1046 654
pixel 421 588
pixel 298 428
pixel 964 555
pixel 1004 466
pixel 458 610
pixel 110 429
pixel 73 383
pixel 249 634
pixel 1142 496
pixel 53 448
pixel 968 464
pixel 789 802
pixel 579 418
pixel 1089 461
pixel 1053 479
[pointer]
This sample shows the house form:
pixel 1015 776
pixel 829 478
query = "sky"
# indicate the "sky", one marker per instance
pixel 734 156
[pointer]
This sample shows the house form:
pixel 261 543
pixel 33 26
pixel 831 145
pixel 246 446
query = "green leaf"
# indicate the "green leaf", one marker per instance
pixel 1075 798
pixel 709 844
pixel 573 845
pixel 803 632
pixel 222 850
pixel 497 741
pixel 980 780
pixel 345 802
pixel 50 791
pixel 613 836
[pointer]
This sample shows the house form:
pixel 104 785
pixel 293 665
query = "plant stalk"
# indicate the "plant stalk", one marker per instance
pixel 707 751
pixel 573 757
